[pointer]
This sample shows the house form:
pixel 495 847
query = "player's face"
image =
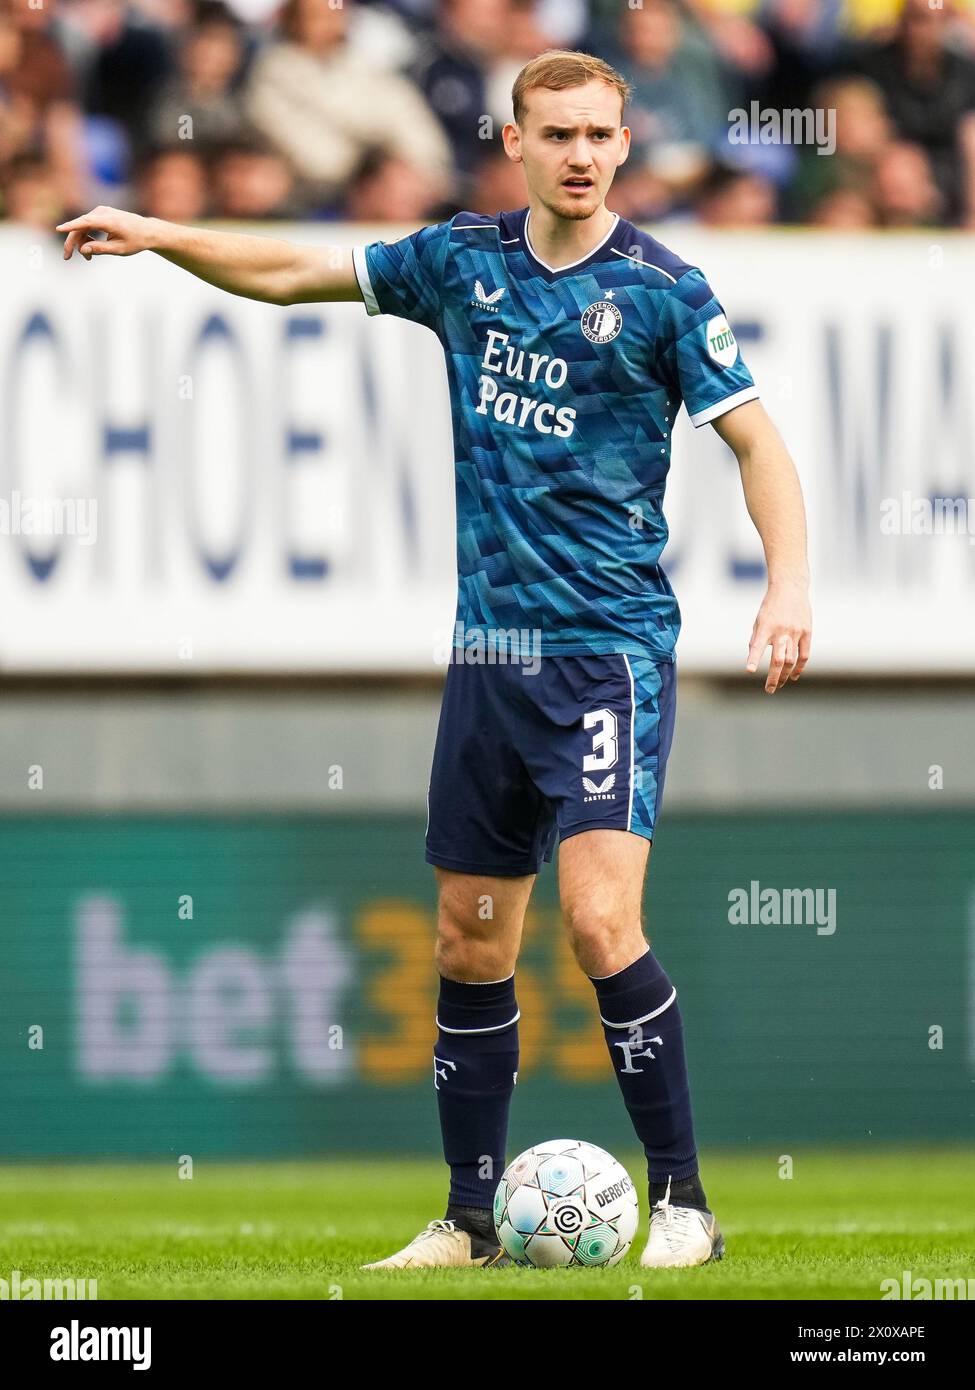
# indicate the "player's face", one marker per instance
pixel 571 144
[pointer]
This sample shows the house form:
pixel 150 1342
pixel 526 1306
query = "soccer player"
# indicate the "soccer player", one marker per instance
pixel 571 339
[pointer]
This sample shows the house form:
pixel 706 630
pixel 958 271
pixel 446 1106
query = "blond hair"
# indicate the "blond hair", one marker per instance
pixel 559 68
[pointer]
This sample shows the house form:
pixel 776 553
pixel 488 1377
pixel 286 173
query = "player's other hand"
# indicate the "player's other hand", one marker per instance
pixel 784 623
pixel 125 233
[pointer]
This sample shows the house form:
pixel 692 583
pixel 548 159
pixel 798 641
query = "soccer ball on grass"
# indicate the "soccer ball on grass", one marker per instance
pixel 566 1202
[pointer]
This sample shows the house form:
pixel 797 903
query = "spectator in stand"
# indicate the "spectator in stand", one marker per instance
pixel 863 132
pixel 845 210
pixel 452 73
pixel 39 115
pixel 525 36
pixel 131 60
pixel 250 179
pixel 733 33
pixel 89 88
pixel 385 188
pixel 929 88
pixel 877 19
pixel 640 194
pixel 172 183
pixel 500 185
pixel 324 109
pixel 31 194
pixel 679 110
pixel 736 198
pixel 201 97
pixel 904 190
pixel 807 45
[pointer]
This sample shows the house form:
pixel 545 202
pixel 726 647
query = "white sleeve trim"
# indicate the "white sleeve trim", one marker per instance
pixel 711 412
pixel 365 284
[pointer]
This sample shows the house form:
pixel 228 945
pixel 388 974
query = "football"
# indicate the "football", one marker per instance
pixel 566 1202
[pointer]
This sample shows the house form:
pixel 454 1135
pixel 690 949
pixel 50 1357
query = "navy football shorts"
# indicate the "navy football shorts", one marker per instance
pixel 524 757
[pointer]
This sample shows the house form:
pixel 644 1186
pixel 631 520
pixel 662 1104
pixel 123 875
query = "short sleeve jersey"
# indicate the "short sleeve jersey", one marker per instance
pixel 564 387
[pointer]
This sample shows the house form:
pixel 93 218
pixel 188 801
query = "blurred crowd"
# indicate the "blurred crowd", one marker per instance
pixel 392 111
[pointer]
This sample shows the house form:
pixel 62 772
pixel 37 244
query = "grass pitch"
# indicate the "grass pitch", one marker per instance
pixel 846 1221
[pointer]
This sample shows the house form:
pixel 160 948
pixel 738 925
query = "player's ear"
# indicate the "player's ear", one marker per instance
pixel 624 145
pixel 511 139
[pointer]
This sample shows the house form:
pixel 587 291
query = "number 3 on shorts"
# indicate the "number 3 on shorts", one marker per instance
pixel 604 741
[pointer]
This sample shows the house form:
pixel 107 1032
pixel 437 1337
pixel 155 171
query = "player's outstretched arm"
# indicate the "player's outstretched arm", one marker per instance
pixel 774 500
pixel 257 267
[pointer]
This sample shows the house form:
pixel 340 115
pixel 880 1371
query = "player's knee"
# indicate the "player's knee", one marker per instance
pixel 600 936
pixel 452 950
pixel 470 960
pixel 463 953
pixel 591 927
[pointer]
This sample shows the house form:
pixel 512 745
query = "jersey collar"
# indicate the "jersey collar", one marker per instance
pixel 549 272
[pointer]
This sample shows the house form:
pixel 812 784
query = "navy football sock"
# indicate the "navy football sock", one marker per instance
pixel 688 1193
pixel 645 1036
pixel 475 1064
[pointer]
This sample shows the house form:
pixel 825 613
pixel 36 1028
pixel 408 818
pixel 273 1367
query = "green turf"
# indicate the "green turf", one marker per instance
pixel 846 1221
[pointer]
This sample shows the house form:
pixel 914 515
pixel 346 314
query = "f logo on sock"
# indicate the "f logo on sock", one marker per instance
pixel 630 1050
pixel 438 1073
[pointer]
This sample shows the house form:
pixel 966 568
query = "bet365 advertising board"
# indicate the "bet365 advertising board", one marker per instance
pixel 237 987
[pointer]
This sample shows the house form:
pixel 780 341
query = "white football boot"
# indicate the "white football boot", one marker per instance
pixel 443 1246
pixel 681 1236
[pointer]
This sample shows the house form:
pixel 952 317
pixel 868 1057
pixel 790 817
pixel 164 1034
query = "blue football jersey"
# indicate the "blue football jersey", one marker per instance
pixel 564 387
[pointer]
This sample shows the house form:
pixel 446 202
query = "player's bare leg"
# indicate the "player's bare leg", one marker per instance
pixel 479 926
pixel 601 875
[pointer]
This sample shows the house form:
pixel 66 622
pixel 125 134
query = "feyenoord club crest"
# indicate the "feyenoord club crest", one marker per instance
pixel 602 321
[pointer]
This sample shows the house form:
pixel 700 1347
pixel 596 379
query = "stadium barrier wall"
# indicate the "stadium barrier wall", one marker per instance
pixel 336 750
